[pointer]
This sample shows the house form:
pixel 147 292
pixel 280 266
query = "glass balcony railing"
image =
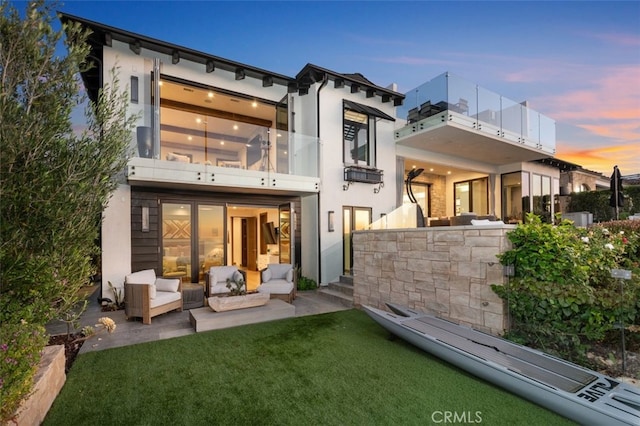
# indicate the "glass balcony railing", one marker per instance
pixel 403 217
pixel 193 138
pixel 487 111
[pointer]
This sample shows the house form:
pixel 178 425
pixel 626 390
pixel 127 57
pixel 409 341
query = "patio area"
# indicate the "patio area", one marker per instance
pixel 166 326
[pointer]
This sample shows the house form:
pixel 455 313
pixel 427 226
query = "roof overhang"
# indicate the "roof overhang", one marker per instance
pixel 365 109
pixel 312 74
pixel 103 35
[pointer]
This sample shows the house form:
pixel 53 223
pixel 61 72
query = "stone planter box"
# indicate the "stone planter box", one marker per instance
pixel 230 303
pixel 48 382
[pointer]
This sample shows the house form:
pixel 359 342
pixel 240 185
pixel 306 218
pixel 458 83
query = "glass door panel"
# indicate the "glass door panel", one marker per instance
pixel 354 219
pixel 176 240
pixel 286 233
pixel 346 240
pixel 211 234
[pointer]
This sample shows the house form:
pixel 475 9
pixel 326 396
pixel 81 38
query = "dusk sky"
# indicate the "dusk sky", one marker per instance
pixel 577 62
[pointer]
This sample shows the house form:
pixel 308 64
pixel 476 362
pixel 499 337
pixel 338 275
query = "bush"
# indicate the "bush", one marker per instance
pixel 305 283
pixel 20 347
pixel 54 181
pixel 562 295
pixel 597 202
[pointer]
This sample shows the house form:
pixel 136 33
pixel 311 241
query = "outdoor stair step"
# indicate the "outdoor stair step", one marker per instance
pixel 336 296
pixel 342 287
pixel 347 279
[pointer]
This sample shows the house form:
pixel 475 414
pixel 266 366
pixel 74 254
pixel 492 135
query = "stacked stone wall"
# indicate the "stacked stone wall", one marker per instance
pixel 445 271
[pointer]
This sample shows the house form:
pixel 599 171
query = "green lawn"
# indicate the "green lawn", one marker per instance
pixel 332 369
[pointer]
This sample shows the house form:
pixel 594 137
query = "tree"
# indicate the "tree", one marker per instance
pixel 54 183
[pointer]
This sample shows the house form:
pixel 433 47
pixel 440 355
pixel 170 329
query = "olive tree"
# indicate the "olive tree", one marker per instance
pixel 54 181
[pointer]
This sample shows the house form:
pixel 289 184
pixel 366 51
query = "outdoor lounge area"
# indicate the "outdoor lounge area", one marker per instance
pixel 178 323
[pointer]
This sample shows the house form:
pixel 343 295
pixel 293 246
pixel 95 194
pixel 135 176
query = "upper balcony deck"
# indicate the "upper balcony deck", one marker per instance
pixel 451 116
pixel 221 141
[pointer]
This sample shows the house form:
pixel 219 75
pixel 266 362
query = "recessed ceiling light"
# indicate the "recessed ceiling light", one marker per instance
pixel 190 138
pixel 235 127
pixel 431 169
pixel 159 83
pixel 449 172
pixel 198 120
pixel 210 94
pixel 413 167
pixel 254 104
pixel 221 142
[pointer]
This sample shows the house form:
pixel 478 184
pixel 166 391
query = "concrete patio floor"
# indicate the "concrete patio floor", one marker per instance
pixel 166 326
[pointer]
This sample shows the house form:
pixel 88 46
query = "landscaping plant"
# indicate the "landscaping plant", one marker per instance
pixel 54 181
pixel 562 297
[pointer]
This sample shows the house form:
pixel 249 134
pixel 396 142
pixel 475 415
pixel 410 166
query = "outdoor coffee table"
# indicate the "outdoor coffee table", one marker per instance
pixel 204 319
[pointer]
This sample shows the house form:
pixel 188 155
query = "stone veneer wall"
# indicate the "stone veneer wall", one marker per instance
pixel 446 271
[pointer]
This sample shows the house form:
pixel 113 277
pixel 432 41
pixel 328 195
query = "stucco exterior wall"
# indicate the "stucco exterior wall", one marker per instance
pixel 445 271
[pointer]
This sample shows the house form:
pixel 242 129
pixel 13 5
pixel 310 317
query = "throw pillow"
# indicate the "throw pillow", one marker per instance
pixel 266 275
pixel 289 276
pixel 168 284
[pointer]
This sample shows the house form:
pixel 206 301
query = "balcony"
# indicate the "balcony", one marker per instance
pixel 457 118
pixel 227 155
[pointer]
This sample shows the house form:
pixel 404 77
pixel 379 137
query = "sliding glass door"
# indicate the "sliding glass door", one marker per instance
pixel 176 241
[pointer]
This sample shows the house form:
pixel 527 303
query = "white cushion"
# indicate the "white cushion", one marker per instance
pixel 289 276
pixel 266 275
pixel 148 276
pixel 219 274
pixel 168 284
pixel 276 287
pixel 237 276
pixel 485 222
pixel 164 297
pixel 172 156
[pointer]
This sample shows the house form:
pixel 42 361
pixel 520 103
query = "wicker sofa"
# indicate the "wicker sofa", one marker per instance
pixel 147 296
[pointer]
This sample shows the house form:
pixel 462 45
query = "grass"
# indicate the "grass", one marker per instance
pixel 331 369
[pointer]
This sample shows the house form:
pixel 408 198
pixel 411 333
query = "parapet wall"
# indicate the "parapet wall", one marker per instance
pixel 444 271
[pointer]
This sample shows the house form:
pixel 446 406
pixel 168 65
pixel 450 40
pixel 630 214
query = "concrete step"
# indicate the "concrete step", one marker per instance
pixel 336 296
pixel 342 287
pixel 347 279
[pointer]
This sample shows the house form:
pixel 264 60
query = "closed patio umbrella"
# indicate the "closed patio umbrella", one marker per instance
pixel 617 198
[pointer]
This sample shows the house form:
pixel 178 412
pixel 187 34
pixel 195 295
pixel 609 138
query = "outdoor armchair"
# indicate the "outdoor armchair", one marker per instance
pixel 277 279
pixel 147 296
pixel 216 279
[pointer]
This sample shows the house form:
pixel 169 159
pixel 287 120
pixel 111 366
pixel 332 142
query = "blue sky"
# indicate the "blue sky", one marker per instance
pixel 577 62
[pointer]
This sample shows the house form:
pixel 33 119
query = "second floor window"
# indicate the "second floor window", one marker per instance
pixel 359 138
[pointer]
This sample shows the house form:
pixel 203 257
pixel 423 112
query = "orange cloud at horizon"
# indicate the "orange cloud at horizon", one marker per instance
pixel 626 157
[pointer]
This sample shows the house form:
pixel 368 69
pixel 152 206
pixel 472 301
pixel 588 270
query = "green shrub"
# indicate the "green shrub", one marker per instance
pixel 562 296
pixel 597 202
pixel 305 283
pixel 20 346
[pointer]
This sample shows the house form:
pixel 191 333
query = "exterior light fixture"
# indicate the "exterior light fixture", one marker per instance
pixel 240 74
pixel 331 218
pixel 145 218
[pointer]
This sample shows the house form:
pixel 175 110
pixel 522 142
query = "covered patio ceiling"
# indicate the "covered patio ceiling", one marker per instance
pixel 448 139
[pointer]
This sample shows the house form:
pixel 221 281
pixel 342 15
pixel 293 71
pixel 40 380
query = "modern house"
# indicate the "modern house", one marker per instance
pixel 233 164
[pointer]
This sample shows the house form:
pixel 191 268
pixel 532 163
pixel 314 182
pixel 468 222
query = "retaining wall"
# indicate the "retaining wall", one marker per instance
pixel 445 271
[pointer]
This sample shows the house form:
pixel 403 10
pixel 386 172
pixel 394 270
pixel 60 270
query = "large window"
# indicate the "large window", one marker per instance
pixel 204 125
pixel 471 196
pixel 515 196
pixel 541 192
pixel 359 138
